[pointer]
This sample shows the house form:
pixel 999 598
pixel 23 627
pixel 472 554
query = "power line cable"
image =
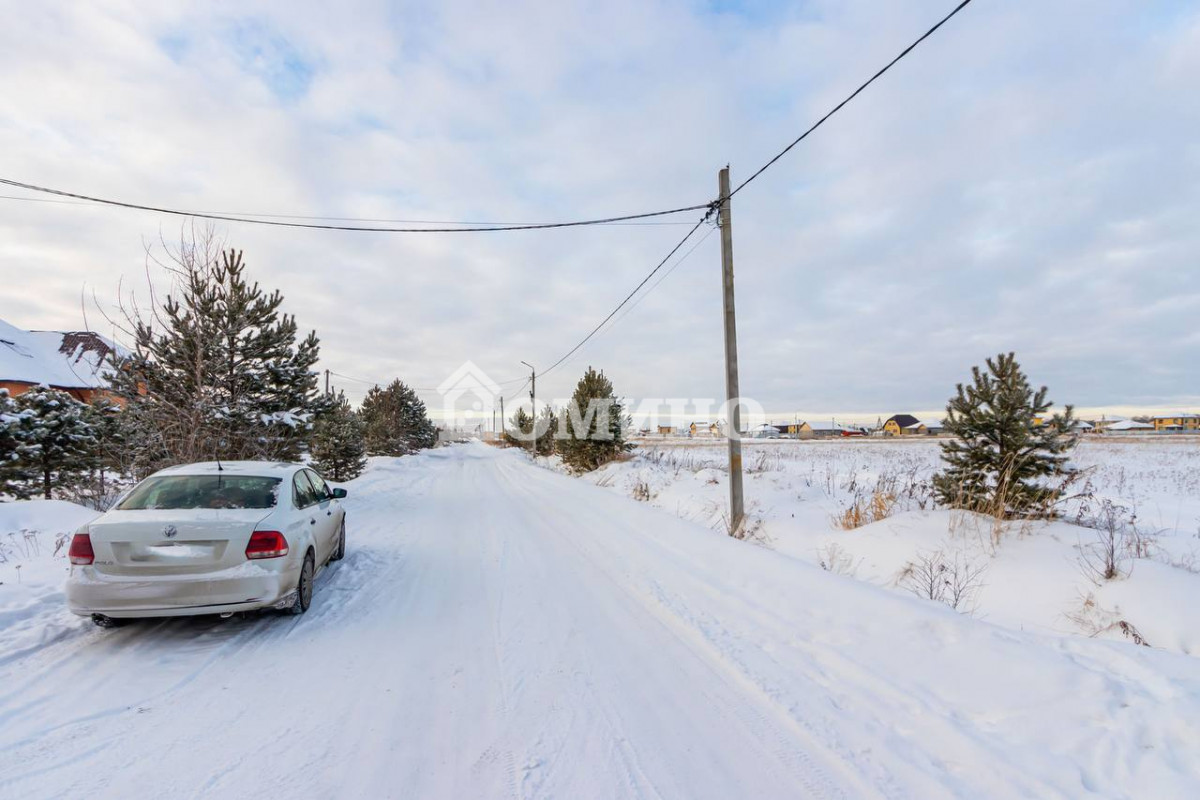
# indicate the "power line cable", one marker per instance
pixel 662 278
pixel 852 95
pixel 712 207
pixel 355 228
pixel 334 219
pixel 414 388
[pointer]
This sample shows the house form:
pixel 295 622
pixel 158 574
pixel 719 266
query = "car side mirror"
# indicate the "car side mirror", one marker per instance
pixel 338 494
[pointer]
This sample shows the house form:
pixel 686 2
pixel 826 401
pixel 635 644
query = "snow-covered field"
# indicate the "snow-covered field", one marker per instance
pixel 1024 576
pixel 501 630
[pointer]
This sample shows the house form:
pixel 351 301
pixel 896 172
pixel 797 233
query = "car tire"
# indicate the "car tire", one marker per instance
pixel 304 587
pixel 340 552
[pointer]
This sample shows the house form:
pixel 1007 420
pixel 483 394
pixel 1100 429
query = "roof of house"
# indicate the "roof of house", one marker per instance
pixel 1128 425
pixel 932 423
pixel 67 360
pixel 1180 415
pixel 903 420
pixel 826 425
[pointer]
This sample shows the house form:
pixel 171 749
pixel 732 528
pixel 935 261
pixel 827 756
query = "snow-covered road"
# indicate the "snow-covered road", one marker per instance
pixel 499 630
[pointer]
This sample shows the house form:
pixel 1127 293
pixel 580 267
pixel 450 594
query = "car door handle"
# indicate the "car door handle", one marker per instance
pixel 312 522
pixel 329 513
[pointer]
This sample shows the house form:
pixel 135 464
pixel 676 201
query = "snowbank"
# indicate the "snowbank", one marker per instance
pixel 1028 576
pixel 34 535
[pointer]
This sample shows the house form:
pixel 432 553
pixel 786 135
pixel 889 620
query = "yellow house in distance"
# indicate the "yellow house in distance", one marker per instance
pixel 902 425
pixel 1177 423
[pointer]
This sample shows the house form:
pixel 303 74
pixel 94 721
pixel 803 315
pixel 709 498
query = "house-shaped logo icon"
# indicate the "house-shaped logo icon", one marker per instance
pixel 467 389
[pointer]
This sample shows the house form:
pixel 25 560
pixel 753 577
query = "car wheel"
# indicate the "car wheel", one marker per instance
pixel 101 621
pixel 340 552
pixel 304 586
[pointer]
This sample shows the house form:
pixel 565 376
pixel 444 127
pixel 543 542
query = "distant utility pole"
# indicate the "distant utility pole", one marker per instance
pixel 533 403
pixel 737 509
pixel 326 381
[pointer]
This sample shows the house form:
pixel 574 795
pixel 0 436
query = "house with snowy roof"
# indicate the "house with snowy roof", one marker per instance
pixel 76 362
pixel 902 425
pixel 1128 426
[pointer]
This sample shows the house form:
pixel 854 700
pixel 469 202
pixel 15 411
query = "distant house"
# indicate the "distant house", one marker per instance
pixel 667 430
pixel 704 429
pixel 794 429
pixel 1177 423
pixel 903 425
pixel 764 431
pixel 825 429
pixel 1128 426
pixel 76 362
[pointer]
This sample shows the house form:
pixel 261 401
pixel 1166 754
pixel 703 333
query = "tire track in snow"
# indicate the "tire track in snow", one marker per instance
pixel 522 479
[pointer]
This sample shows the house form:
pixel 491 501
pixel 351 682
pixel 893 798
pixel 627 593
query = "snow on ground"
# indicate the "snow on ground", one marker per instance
pixel 501 630
pixel 1030 576
pixel 34 535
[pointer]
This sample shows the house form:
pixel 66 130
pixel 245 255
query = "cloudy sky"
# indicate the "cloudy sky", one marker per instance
pixel 1028 180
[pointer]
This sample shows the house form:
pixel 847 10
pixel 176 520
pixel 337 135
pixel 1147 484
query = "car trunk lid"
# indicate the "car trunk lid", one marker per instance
pixel 172 542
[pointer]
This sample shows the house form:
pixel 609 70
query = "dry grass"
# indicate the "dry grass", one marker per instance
pixel 866 509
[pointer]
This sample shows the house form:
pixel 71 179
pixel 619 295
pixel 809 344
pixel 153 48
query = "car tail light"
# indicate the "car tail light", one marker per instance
pixel 266 544
pixel 81 549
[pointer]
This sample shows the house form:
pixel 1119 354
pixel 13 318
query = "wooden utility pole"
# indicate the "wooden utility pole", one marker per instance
pixel 503 429
pixel 533 403
pixel 326 381
pixel 737 508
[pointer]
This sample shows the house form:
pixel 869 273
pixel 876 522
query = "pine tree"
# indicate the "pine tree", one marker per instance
pixel 592 427
pixel 1001 462
pixel 547 429
pixel 218 371
pixel 13 472
pixel 521 422
pixel 396 421
pixel 55 440
pixel 338 445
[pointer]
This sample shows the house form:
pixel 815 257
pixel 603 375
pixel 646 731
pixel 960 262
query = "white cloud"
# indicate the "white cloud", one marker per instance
pixel 1026 180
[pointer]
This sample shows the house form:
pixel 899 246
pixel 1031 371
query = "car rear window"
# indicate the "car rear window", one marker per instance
pixel 203 491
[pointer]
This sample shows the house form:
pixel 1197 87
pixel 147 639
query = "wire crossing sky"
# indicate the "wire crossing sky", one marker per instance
pixel 1024 181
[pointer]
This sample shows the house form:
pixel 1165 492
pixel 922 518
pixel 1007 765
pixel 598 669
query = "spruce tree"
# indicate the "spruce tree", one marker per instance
pixel 1000 462
pixel 55 440
pixel 338 445
pixel 396 421
pixel 218 371
pixel 12 471
pixel 522 422
pixel 547 429
pixel 591 429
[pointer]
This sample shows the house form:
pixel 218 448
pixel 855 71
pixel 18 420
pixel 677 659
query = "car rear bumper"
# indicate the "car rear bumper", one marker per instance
pixel 243 588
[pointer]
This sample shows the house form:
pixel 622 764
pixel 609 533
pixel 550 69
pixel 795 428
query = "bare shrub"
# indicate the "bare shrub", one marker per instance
pixel 954 580
pixel 1095 620
pixel 834 558
pixel 641 491
pixel 1118 542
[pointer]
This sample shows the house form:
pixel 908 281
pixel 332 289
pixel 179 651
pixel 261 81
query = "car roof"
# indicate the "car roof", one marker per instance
pixel 265 469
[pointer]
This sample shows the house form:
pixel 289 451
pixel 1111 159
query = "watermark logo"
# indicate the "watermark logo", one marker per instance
pixel 469 396
pixel 467 390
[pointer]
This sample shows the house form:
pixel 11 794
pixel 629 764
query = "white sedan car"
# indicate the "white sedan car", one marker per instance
pixel 208 538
